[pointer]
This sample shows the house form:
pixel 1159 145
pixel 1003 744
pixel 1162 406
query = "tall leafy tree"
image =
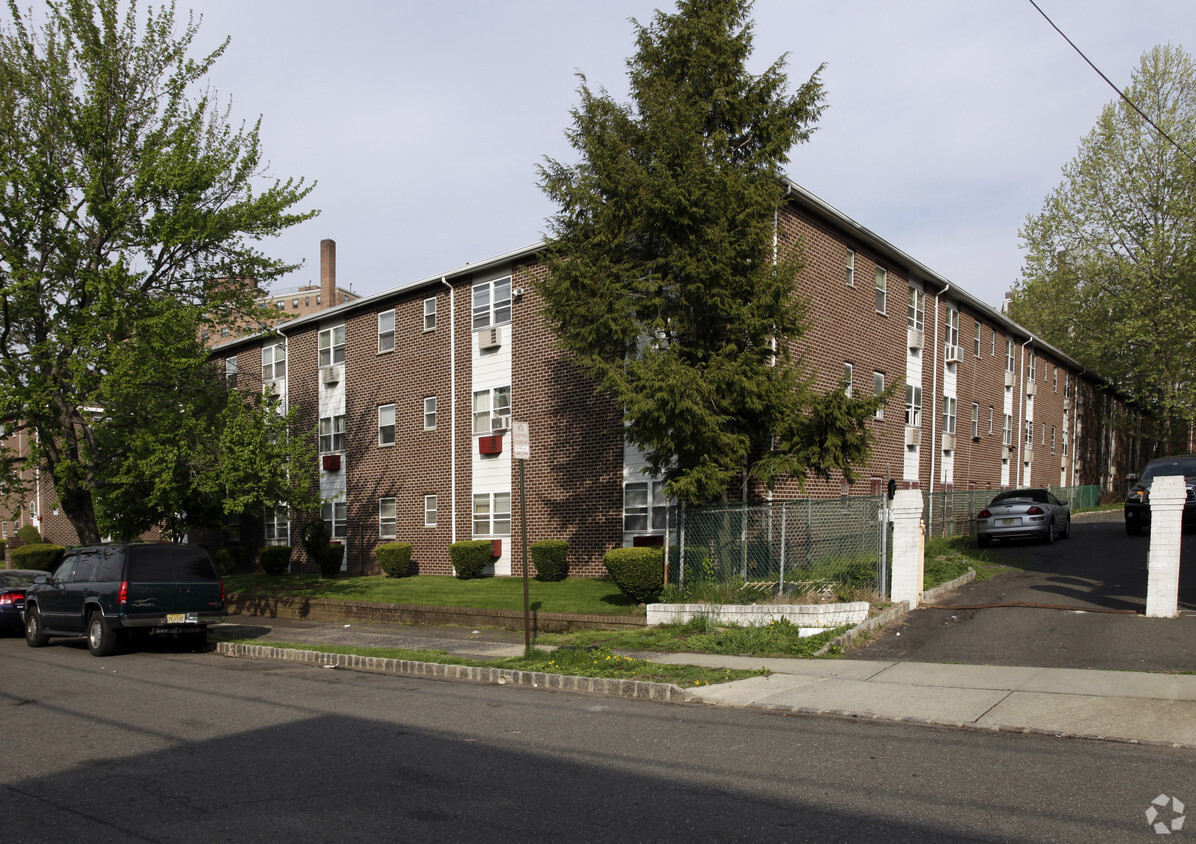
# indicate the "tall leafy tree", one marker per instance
pixel 129 208
pixel 665 283
pixel 1110 267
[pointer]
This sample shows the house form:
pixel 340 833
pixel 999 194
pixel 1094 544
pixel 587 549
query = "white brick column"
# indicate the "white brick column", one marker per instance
pixel 1162 567
pixel 907 547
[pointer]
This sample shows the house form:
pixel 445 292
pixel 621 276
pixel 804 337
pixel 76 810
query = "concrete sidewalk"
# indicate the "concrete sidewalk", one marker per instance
pixel 1109 705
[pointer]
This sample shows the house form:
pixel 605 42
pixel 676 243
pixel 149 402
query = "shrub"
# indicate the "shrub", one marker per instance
pixel 28 535
pixel 228 559
pixel 315 539
pixel 330 560
pixel 39 555
pixel 638 572
pixel 3 545
pixel 470 557
pixel 550 558
pixel 394 558
pixel 275 558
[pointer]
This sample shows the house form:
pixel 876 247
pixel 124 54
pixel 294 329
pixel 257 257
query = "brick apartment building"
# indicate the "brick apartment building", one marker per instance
pixel 412 391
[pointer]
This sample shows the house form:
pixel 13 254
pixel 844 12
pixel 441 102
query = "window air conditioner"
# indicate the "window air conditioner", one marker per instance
pixel 271 388
pixel 948 442
pixel 500 423
pixel 912 437
pixel 1030 388
pixel 332 374
pixel 1008 378
pixel 915 338
pixel 952 354
pixel 490 338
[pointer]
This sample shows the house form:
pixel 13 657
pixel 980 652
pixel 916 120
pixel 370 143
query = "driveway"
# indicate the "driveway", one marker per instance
pixel 1097 570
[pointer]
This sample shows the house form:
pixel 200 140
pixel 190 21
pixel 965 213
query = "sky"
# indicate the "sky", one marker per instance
pixel 948 121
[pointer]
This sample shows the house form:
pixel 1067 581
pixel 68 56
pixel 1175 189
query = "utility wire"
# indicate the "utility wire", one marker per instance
pixel 1131 103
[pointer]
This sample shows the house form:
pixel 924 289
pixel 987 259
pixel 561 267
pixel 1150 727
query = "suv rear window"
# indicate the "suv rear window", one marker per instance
pixel 1156 468
pixel 170 562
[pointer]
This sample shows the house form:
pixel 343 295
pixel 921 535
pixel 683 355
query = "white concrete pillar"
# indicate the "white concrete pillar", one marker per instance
pixel 907 547
pixel 1162 568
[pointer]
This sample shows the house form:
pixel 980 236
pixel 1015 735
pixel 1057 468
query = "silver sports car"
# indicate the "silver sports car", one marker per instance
pixel 1021 514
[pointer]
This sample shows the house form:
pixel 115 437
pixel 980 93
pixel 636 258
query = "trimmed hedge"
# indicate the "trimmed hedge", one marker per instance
pixel 394 558
pixel 275 558
pixel 228 559
pixel 550 557
pixel 28 535
pixel 638 572
pixel 470 557
pixel 40 555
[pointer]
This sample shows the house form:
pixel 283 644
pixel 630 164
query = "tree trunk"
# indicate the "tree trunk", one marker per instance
pixel 76 503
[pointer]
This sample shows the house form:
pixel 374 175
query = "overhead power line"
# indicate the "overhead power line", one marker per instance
pixel 1120 93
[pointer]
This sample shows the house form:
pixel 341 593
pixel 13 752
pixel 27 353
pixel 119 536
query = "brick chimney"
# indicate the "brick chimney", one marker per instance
pixel 328 272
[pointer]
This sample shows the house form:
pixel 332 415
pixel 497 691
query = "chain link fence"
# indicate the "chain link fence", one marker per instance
pixel 821 546
pixel 954 513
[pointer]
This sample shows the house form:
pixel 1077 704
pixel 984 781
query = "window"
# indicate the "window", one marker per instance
pixel 952 327
pixel 1052 439
pixel 386 518
pixel 977 344
pixel 386 331
pixel 295 303
pixel 1042 429
pixel 993 337
pixel 307 301
pixel 492 303
pixel 230 371
pixel 847 379
pixel 429 511
pixel 430 413
pixel 878 388
pixel 332 346
pixel 1029 435
pixel 333 513
pixel 882 280
pixel 282 306
pixel 990 419
pixel 1033 364
pixel 949 414
pixel 386 424
pixel 1009 354
pixel 917 309
pixel 332 434
pixel 1066 385
pixel 975 420
pixel 318 297
pixel 645 507
pixel 278 527
pixel 430 315
pixel 492 514
pixel 1007 430
pixel 274 361
pixel 851 268
pixel 488 404
pixel 1055 380
pixel 913 405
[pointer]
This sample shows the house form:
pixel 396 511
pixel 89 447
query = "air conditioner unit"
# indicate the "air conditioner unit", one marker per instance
pixel 1006 452
pixel 912 437
pixel 1067 402
pixel 915 338
pixel 952 354
pixel 332 374
pixel 500 423
pixel 1008 378
pixel 332 462
pixel 1030 388
pixel 1028 454
pixel 490 445
pixel 948 442
pixel 490 338
pixel 271 388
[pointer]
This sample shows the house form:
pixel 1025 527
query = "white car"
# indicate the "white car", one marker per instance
pixel 1023 514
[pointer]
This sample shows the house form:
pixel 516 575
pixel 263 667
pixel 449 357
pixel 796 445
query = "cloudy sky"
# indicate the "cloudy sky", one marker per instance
pixel 948 120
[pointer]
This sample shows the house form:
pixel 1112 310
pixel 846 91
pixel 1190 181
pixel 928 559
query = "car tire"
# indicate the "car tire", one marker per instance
pixel 35 631
pixel 101 639
pixel 198 640
pixel 1066 529
pixel 1133 529
pixel 1050 534
pixel 983 541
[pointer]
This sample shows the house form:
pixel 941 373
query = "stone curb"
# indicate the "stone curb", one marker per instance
pixel 639 689
pixel 894 612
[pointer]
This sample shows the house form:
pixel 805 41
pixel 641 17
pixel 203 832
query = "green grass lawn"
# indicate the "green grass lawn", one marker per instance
pixel 586 596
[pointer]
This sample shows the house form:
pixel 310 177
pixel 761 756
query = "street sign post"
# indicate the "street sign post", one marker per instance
pixel 521 450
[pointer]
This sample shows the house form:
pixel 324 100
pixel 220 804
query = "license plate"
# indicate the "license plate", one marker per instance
pixel 1008 521
pixel 182 618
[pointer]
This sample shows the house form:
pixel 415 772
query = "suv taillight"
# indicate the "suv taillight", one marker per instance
pixel 123 596
pixel 10 598
pixel 222 592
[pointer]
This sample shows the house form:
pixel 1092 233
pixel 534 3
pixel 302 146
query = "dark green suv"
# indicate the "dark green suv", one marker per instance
pixel 112 593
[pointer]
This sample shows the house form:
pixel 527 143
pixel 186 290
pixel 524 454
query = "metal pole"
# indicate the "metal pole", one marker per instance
pixel 784 537
pixel 527 606
pixel 681 555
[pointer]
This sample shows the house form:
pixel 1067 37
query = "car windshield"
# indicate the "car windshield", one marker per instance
pixel 15 578
pixel 1185 466
pixel 1038 496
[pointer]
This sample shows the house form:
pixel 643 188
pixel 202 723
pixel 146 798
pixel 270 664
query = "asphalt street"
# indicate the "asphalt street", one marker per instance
pixel 161 746
pixel 1098 568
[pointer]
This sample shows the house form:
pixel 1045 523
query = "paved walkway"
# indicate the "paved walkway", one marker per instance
pixel 1111 705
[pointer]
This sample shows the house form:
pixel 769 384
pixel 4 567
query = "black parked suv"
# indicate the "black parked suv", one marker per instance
pixel 1137 503
pixel 111 593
